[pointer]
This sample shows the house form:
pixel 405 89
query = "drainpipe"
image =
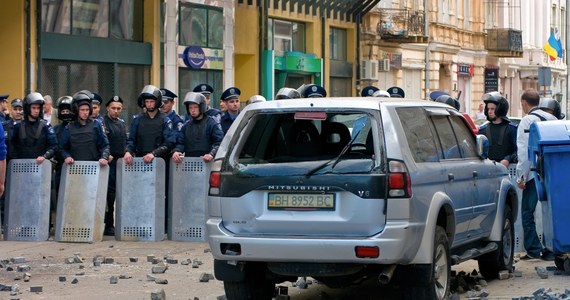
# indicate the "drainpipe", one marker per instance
pixel 426 34
pixel 358 82
pixel 567 60
pixel 262 41
pixel 323 55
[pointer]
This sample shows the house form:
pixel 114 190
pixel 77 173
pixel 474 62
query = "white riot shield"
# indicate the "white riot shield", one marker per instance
pixel 81 202
pixel 27 204
pixel 140 200
pixel 187 204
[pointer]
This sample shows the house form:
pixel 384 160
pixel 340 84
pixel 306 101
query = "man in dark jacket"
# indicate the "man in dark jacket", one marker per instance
pixel 500 132
pixel 200 136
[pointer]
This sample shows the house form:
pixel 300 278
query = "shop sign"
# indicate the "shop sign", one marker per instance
pixel 196 57
pixel 298 62
pixel 491 80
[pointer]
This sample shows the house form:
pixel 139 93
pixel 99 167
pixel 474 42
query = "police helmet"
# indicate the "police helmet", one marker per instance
pixel 369 91
pixel 196 98
pixel 287 93
pixel 447 99
pixel 255 99
pixel 64 102
pixel 381 93
pixel 551 106
pixel 150 92
pixel 314 91
pixel 80 98
pixel 34 98
pixel 502 105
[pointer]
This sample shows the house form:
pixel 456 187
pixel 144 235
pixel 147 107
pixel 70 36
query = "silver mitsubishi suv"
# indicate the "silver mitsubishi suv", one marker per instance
pixel 343 189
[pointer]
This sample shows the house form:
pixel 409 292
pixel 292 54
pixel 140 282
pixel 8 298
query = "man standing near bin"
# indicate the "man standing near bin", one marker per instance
pixel 116 131
pixel 500 132
pixel 525 177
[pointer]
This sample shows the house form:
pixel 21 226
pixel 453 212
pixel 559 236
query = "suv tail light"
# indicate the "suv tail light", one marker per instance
pixel 215 178
pixel 399 184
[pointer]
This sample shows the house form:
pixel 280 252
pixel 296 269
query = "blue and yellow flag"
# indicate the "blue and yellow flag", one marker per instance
pixel 553 47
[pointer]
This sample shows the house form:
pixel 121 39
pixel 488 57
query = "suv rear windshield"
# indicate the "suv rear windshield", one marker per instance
pixel 287 138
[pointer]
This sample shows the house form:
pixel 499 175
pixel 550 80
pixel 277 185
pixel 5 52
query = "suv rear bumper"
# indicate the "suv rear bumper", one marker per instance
pixel 398 244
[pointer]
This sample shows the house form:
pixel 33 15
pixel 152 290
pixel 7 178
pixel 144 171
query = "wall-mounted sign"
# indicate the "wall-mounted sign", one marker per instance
pixel 465 69
pixel 196 57
pixel 298 62
pixel 491 80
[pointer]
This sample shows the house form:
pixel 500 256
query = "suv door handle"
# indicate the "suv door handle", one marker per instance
pixel 475 174
pixel 450 177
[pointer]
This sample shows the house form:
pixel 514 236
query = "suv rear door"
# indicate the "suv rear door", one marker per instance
pixel 280 162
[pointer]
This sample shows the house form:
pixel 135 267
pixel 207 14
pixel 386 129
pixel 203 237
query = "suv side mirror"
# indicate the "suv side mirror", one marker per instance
pixel 482 146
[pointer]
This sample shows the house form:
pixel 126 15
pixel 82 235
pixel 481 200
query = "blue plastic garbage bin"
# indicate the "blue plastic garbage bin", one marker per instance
pixel 549 153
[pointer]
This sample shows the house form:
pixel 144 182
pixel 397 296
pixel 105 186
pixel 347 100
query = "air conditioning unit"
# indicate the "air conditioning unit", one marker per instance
pixel 369 70
pixel 384 65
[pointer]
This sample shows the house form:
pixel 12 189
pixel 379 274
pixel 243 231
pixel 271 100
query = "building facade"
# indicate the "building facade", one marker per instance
pixel 465 48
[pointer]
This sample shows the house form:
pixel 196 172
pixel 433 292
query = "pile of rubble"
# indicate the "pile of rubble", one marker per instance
pixel 21 271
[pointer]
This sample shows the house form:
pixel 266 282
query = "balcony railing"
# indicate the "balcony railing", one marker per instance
pixel 401 24
pixel 504 42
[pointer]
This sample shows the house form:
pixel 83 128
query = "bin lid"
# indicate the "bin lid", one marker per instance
pixel 548 133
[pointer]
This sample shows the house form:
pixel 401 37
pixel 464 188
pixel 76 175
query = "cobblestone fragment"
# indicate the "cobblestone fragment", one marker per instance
pixel 161 281
pixel 205 277
pixel 113 280
pixel 158 295
pixel 133 259
pixel 36 289
pixel 74 281
pixel 159 269
pixel 24 268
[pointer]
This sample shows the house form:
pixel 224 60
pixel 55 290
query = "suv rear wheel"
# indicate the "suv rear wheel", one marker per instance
pixel 254 286
pixel 501 259
pixel 436 286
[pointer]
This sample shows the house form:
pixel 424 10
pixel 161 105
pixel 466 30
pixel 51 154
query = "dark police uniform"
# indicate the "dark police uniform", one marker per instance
pixel 33 139
pixel 116 131
pixel 199 137
pixel 227 119
pixel 4 118
pixel 151 135
pixel 84 142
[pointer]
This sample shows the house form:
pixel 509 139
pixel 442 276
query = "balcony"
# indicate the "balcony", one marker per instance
pixel 402 26
pixel 504 42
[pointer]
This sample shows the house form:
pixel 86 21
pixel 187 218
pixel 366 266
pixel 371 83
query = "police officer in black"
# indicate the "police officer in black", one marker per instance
pixel 33 137
pixel 199 137
pixel 84 139
pixel 207 90
pixel 63 105
pixel 96 104
pixel 116 131
pixel 151 133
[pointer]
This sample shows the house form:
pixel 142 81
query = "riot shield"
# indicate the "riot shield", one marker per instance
pixel 27 206
pixel 140 200
pixel 81 202
pixel 187 200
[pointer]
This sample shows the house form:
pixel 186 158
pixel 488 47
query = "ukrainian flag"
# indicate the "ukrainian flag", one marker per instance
pixel 553 47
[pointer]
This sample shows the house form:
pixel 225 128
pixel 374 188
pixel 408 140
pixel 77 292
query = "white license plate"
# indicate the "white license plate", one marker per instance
pixel 300 201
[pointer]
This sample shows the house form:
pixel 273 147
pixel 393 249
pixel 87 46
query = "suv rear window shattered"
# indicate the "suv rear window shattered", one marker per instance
pixel 309 137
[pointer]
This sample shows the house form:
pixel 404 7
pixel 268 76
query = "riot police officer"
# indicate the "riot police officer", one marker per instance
pixel 314 91
pixel 200 136
pixel 18 115
pixel 207 90
pixel 116 131
pixel 151 133
pixel 63 105
pixel 34 137
pixel 84 139
pixel 500 132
